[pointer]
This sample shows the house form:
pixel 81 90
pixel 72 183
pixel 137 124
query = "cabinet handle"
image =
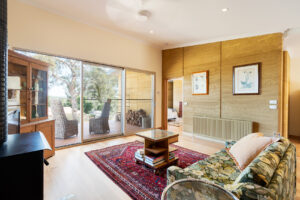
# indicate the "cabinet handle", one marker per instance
pixel 46 162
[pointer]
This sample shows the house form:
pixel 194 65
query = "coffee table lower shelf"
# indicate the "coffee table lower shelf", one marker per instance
pixel 158 167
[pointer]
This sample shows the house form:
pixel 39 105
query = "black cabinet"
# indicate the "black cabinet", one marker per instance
pixel 22 166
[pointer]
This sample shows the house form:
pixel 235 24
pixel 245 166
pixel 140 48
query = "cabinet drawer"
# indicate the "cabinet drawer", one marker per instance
pixel 173 140
pixel 27 129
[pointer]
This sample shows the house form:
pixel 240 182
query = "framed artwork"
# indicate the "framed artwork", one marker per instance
pixel 246 79
pixel 200 83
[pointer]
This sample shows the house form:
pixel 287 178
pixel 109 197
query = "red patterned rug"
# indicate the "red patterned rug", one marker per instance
pixel 138 181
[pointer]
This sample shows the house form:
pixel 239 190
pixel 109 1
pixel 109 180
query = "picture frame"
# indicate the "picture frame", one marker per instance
pixel 246 79
pixel 200 83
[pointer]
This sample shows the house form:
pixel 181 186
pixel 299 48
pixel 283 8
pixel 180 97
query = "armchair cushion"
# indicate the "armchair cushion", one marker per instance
pixel 247 148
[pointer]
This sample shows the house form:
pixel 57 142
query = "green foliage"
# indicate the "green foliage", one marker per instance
pixel 67 103
pixel 99 83
pixel 87 106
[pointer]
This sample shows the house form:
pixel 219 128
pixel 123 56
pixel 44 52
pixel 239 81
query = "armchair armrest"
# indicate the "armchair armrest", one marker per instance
pixel 251 191
pixel 176 173
pixel 172 173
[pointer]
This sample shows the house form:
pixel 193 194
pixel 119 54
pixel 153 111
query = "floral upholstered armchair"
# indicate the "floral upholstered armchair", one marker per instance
pixel 271 175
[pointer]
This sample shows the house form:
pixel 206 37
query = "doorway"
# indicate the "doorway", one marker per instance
pixel 174 104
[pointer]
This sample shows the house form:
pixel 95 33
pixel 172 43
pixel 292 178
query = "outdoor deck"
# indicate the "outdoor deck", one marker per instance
pixel 115 129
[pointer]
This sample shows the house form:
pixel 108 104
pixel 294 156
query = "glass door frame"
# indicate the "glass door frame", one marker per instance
pixel 123 101
pixel 83 140
pixel 153 99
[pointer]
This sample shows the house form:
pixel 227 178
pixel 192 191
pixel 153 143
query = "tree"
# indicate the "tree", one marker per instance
pixel 63 72
pixel 66 72
pixel 99 83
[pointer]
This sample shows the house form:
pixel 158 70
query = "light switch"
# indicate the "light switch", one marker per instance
pixel 185 103
pixel 273 107
pixel 273 102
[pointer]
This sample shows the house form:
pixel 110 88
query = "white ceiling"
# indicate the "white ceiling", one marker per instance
pixel 181 22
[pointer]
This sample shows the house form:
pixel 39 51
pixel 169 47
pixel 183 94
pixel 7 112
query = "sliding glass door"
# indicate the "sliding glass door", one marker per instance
pixel 101 101
pixel 93 101
pixel 139 101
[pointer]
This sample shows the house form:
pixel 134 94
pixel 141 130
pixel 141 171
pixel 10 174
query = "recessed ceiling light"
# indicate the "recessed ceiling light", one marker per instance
pixel 151 31
pixel 225 9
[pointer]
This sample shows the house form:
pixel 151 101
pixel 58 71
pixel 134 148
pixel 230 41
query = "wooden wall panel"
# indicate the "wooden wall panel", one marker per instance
pixel 172 67
pixel 172 63
pixel 138 86
pixel 177 93
pixel 232 49
pixel 219 58
pixel 294 110
pixel 201 54
pixel 253 107
pixel 286 93
pixel 267 50
pixel 170 94
pixel 199 58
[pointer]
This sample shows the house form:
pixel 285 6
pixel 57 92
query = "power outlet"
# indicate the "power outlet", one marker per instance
pixel 273 102
pixel 273 107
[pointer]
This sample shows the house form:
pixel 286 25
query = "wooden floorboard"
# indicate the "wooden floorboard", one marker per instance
pixel 115 129
pixel 72 176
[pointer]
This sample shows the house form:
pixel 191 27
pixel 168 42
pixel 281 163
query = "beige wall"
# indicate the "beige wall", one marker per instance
pixel 294 111
pixel 38 30
pixel 170 94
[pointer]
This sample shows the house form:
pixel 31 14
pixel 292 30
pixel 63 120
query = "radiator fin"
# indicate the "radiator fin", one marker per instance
pixel 224 129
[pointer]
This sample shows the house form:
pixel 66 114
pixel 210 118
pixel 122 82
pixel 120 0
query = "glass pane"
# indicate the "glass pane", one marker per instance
pixel 64 100
pixel 101 101
pixel 139 101
pixel 63 97
pixel 17 88
pixel 39 94
pixel 23 112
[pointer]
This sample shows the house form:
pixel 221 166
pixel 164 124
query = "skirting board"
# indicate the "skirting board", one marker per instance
pixel 204 138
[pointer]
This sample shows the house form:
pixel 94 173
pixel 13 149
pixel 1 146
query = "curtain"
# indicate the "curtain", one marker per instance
pixel 3 71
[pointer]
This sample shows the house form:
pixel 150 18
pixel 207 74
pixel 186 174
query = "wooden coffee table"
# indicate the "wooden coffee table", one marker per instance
pixel 157 143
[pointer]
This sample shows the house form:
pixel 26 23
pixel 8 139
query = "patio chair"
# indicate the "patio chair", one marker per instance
pixel 64 128
pixel 100 125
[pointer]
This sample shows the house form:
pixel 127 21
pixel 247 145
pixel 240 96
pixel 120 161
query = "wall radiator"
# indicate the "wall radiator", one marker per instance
pixel 223 129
